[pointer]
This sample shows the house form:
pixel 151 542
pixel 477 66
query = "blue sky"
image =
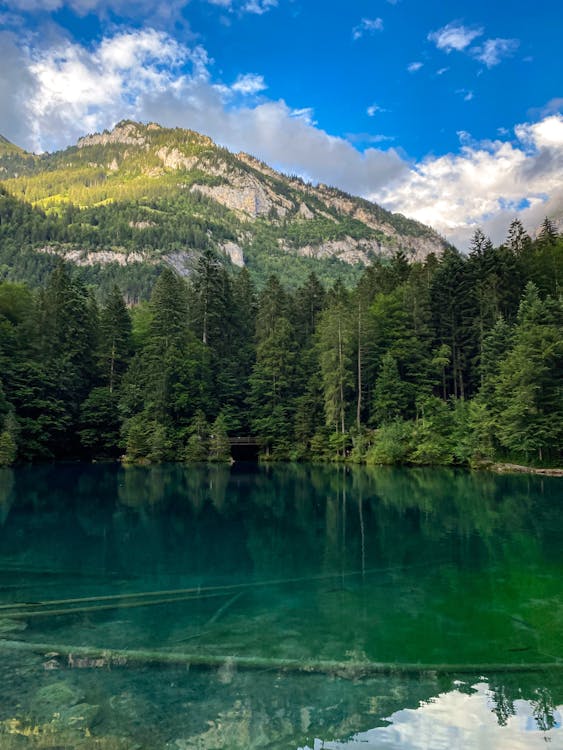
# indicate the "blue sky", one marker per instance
pixel 449 112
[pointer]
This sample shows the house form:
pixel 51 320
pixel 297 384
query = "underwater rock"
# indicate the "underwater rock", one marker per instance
pixel 129 709
pixel 82 716
pixel 55 698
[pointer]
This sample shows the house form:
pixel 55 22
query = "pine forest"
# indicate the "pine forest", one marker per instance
pixel 457 359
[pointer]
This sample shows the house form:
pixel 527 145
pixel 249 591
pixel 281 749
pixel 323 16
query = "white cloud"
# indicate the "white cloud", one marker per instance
pixel 460 718
pixel 553 106
pixel 136 8
pixel 368 137
pixel 35 5
pixel 259 6
pixel 493 51
pixel 249 84
pixel 441 71
pixel 68 90
pixel 367 26
pixel 467 95
pixel 52 97
pixel 454 36
pixel 374 108
pixel 485 184
pixel 414 66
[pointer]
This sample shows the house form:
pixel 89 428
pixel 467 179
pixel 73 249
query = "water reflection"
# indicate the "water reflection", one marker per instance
pixel 467 718
pixel 347 565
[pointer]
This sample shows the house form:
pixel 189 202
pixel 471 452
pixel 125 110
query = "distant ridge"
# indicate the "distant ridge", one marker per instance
pixel 170 192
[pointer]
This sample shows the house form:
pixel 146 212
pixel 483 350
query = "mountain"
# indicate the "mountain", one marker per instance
pixel 138 196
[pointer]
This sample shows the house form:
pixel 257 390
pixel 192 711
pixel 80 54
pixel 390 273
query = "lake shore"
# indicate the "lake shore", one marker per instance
pixel 504 468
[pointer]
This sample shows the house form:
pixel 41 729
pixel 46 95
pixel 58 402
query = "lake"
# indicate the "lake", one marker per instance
pixel 291 606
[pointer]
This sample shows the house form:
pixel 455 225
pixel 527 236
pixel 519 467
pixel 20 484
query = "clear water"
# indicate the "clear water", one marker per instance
pixel 171 607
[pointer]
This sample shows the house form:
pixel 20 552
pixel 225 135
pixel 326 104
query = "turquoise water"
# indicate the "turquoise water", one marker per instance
pixel 175 607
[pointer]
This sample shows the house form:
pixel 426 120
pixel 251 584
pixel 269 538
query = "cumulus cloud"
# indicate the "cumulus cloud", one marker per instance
pixel 75 89
pixel 367 26
pixel 414 66
pixel 486 184
pixel 17 87
pixel 285 138
pixel 83 7
pixel 249 84
pixel 51 97
pixel 454 36
pixel 135 8
pixel 493 51
pixel 61 93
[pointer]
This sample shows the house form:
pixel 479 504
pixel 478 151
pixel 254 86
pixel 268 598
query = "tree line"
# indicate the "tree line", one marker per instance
pixel 450 361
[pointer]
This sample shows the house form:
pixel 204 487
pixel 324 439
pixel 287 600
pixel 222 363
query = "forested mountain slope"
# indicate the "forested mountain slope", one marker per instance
pixel 123 203
pixel 444 361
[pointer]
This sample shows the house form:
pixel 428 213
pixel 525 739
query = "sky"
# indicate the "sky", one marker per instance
pixel 449 112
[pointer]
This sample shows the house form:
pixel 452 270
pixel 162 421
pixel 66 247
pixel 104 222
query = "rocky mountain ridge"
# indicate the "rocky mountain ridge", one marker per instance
pixel 156 176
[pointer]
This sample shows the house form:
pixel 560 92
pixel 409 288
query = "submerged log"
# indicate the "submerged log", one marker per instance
pixel 91 657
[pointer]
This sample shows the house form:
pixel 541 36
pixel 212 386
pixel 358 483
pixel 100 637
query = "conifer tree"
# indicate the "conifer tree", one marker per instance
pixel 518 240
pixel 219 446
pixel 336 360
pixel 115 339
pixel 389 396
pixel 530 383
pixel 547 234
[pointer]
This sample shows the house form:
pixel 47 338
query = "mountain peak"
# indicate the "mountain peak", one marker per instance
pixel 131 133
pixel 144 193
pixel 126 132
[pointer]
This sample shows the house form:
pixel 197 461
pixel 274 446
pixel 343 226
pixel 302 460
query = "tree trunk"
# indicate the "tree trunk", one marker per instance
pixel 359 406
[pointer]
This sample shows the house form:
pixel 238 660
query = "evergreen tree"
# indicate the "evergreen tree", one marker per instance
pixel 115 339
pixel 453 315
pixel 518 240
pixel 547 234
pixel 271 388
pixel 530 382
pixel 170 379
pixel 219 446
pixel 197 449
pixel 389 396
pixel 100 425
pixel 308 304
pixel 336 362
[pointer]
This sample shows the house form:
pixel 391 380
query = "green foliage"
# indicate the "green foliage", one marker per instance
pixel 529 387
pixel 219 446
pixel 392 444
pixel 8 441
pixel 99 423
pixel 8 448
pixel 389 395
pixel 197 449
pixel 146 198
pixel 447 362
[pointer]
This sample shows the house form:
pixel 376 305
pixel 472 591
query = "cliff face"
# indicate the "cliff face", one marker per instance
pixel 159 177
